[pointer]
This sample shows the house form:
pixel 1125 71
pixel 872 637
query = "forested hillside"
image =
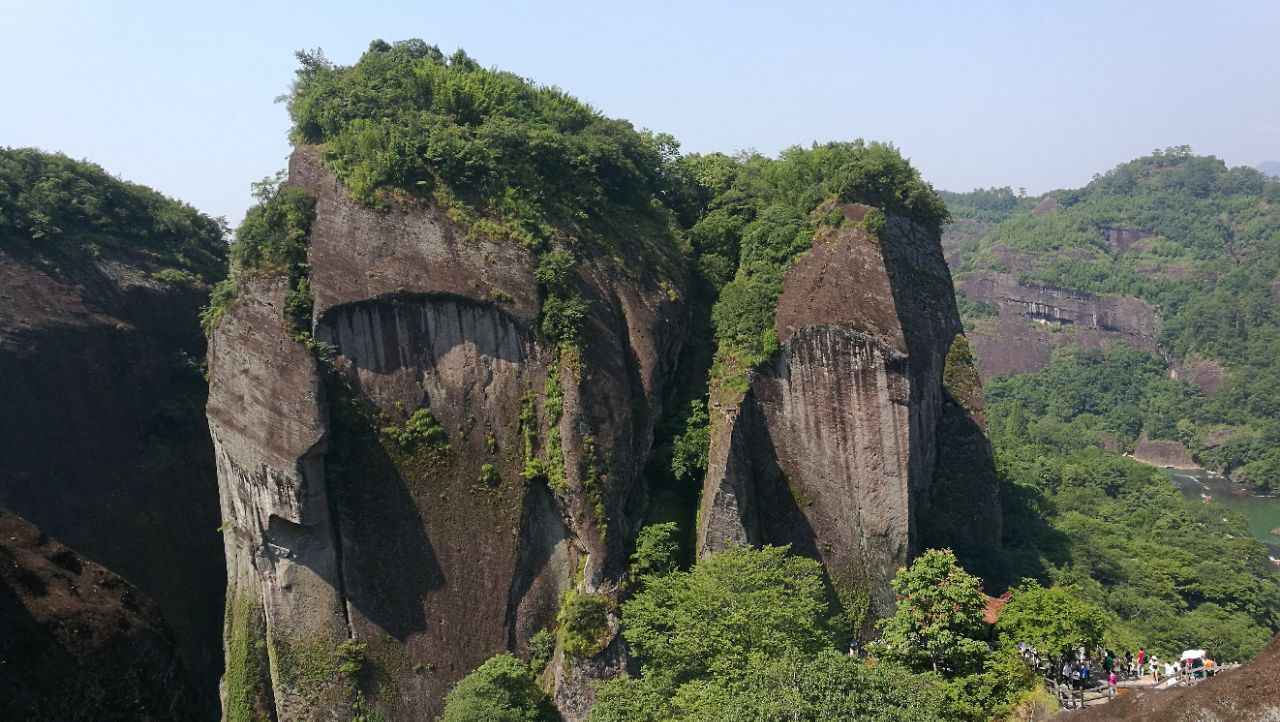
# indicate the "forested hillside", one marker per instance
pixel 1196 241
pixel 1198 244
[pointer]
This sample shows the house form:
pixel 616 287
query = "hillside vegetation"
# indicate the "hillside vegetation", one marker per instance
pixel 1173 574
pixel 56 211
pixel 1201 243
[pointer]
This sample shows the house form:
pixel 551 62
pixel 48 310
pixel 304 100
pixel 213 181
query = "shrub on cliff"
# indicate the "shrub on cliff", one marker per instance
pixel 272 240
pixel 657 551
pixel 584 623
pixel 500 690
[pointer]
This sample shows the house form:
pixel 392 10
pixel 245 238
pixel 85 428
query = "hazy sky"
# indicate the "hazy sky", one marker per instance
pixel 178 95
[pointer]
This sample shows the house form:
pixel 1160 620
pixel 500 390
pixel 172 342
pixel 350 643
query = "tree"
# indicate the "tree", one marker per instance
pixel 938 621
pixel 657 550
pixel 500 690
pixel 1054 620
pixel 828 686
pixel 731 607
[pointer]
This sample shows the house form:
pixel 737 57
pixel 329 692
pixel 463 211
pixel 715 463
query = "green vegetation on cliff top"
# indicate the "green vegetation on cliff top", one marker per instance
pixel 56 211
pixel 515 159
pixel 273 240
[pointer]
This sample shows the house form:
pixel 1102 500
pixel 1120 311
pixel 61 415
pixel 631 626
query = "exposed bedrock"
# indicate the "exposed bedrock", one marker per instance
pixel 1034 319
pixel 1169 454
pixel 77 641
pixel 103 441
pixel 436 554
pixel 836 447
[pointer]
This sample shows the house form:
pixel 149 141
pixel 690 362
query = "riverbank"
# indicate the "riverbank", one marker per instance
pixel 1262 513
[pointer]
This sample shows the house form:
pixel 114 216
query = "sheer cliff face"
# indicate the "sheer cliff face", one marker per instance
pixel 103 439
pixel 835 446
pixel 436 553
pixel 78 640
pixel 1033 320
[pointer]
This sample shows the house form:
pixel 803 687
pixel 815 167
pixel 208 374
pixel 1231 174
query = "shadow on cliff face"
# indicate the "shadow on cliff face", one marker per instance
pixel 535 597
pixel 964 498
pixel 388 564
pixel 105 447
pixel 962 508
pixel 1029 540
pixel 416 330
pixel 780 517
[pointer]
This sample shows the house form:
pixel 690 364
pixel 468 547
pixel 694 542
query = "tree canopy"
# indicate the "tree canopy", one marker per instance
pixel 56 210
pixel 500 690
pixel 937 623
pixel 1055 620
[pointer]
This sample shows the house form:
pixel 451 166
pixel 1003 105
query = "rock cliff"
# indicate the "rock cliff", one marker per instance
pixel 1033 320
pixel 836 446
pixel 102 437
pixel 1169 454
pixel 392 495
pixel 80 642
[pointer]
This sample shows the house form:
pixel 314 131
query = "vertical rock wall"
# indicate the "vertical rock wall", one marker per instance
pixel 432 553
pixel 835 447
pixel 268 418
pixel 102 440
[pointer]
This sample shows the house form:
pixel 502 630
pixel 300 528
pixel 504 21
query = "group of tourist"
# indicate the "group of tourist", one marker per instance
pixel 1081 670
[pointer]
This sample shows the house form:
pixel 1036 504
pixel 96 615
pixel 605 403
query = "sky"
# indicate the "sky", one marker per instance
pixel 180 96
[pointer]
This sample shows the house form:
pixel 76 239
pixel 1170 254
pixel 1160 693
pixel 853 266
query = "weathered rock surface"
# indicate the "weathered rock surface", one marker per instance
pixel 78 642
pixel 1034 320
pixel 835 447
pixel 436 555
pixel 1202 372
pixel 102 438
pixel 1169 454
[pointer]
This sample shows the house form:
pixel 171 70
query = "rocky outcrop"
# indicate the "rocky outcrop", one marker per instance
pixel 834 447
pixel 103 439
pixel 347 525
pixel 78 642
pixel 1202 372
pixel 1123 240
pixel 1034 320
pixel 1168 454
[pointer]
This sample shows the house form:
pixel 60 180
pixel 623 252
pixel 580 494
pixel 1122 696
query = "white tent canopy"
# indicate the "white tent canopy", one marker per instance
pixel 1193 654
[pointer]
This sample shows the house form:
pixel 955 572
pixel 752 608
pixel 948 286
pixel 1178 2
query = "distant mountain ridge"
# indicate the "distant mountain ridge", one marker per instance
pixel 1270 167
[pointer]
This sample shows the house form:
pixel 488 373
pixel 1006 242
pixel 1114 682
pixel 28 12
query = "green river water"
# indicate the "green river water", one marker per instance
pixel 1262 512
